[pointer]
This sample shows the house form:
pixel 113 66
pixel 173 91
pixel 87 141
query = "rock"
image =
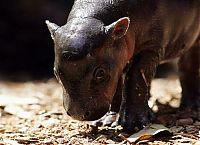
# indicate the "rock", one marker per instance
pixel 187 121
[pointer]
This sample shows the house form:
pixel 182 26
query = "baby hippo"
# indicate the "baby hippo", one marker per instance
pixel 107 53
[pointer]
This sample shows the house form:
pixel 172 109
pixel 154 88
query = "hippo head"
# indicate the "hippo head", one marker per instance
pixel 89 60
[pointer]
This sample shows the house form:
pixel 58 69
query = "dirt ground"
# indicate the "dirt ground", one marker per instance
pixel 31 112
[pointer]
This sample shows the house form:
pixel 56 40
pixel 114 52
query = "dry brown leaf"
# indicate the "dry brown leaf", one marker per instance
pixel 50 125
pixel 148 132
pixel 2 130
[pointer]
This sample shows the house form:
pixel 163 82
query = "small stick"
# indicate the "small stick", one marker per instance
pixel 124 138
pixel 144 78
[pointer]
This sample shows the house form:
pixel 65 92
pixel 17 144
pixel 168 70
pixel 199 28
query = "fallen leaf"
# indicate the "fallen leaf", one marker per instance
pixel 149 132
pixel 2 130
pixel 18 111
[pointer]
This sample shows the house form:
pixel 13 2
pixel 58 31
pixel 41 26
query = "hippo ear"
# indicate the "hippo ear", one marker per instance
pixel 52 28
pixel 119 28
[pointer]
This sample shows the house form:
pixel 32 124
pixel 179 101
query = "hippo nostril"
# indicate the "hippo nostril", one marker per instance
pixel 87 114
pixel 68 113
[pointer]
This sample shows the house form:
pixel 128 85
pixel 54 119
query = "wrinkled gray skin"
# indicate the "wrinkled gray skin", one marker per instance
pixel 108 51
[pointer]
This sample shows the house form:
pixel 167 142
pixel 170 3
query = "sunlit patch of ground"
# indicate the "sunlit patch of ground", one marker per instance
pixel 32 113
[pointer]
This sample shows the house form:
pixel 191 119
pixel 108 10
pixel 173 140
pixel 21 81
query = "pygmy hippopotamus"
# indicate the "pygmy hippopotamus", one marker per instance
pixel 107 53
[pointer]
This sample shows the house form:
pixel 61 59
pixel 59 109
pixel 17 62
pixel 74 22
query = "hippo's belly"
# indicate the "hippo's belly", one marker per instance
pixel 179 47
pixel 180 34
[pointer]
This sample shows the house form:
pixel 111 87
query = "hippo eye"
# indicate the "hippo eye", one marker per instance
pixel 100 75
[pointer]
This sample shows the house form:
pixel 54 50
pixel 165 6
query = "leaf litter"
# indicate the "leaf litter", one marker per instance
pixel 32 113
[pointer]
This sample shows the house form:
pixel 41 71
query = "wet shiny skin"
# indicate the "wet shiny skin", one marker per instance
pixel 131 37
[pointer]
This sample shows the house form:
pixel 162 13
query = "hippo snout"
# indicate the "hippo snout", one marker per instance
pixel 87 115
pixel 87 111
pixel 80 117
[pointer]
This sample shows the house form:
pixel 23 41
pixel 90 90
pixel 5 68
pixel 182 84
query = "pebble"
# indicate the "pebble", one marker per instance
pixel 49 125
pixel 176 129
pixel 187 121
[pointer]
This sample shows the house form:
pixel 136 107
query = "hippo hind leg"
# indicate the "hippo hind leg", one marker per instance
pixel 189 67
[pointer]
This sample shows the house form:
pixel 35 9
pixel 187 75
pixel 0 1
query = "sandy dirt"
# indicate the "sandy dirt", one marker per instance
pixel 31 112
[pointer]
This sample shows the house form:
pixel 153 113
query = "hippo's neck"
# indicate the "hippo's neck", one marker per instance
pixel 107 11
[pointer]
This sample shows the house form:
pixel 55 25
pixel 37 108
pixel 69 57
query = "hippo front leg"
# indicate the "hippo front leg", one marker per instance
pixel 111 117
pixel 135 112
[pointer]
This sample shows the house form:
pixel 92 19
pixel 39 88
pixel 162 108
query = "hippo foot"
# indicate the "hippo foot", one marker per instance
pixel 109 119
pixel 136 119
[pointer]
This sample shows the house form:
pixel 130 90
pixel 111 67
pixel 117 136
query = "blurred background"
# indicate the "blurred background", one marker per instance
pixel 26 48
pixel 25 43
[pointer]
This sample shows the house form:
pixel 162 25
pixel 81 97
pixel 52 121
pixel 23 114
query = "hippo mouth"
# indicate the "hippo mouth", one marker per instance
pixel 89 115
pixel 86 111
pixel 95 115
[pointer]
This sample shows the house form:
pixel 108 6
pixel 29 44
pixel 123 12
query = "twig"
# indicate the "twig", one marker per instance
pixel 125 139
